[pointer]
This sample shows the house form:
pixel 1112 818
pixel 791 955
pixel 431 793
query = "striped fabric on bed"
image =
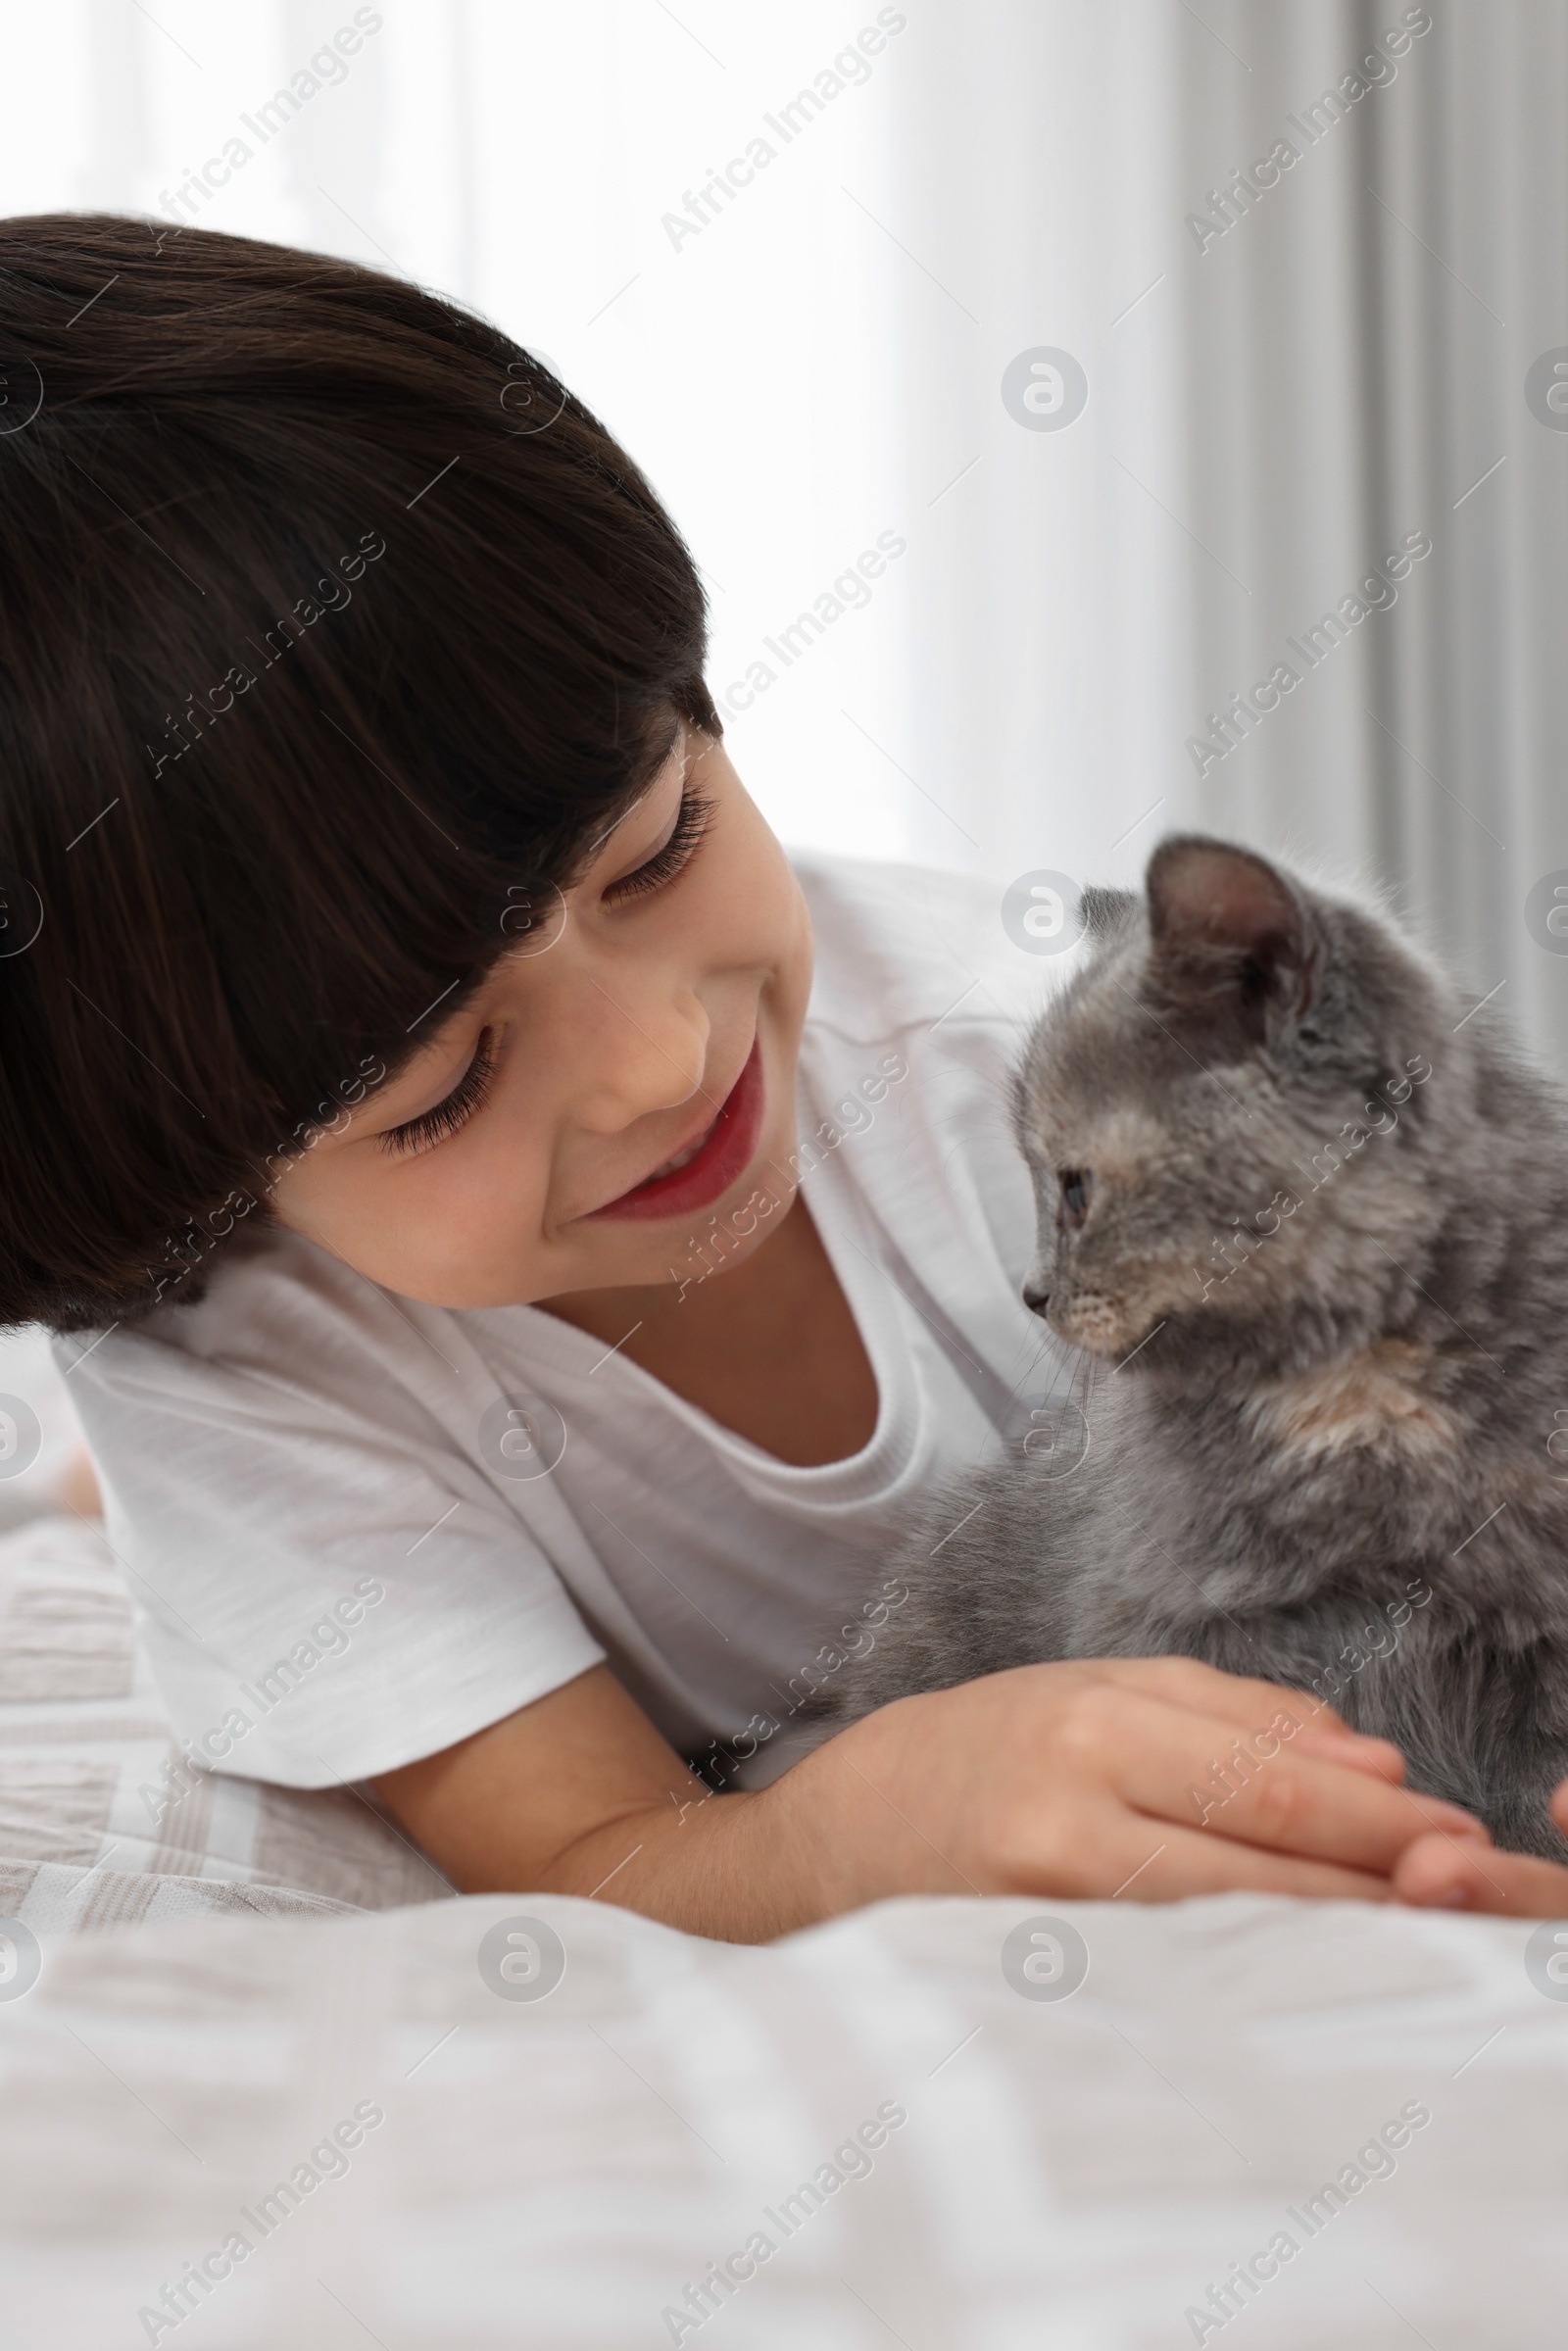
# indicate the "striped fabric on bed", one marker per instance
pixel 101 1819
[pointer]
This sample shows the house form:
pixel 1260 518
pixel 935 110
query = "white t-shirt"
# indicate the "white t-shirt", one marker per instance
pixel 349 1555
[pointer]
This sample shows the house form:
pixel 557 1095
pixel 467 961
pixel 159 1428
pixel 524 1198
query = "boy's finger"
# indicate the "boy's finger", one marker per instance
pixel 1186 1861
pixel 1246 1702
pixel 1187 1681
pixel 1253 1706
pixel 1182 1768
pixel 1437 1873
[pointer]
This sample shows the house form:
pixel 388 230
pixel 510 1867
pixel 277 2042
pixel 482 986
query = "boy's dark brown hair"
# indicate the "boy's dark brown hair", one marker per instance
pixel 333 630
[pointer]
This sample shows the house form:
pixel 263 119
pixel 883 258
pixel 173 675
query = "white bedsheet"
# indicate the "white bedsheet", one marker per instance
pixel 1069 2175
pixel 101 1820
pixel 1072 2174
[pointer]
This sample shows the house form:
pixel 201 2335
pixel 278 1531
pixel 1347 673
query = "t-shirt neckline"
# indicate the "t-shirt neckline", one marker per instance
pixel 881 1464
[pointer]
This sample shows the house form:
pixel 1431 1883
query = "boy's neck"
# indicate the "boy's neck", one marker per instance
pixel 769 1349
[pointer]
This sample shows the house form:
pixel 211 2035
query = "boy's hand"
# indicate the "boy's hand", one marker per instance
pixel 1158 1777
pixel 1150 1777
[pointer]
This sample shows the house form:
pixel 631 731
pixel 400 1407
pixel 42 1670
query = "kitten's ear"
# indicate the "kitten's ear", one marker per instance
pixel 1229 934
pixel 1105 912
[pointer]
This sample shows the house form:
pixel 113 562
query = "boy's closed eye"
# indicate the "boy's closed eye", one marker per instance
pixel 693 820
pixel 454 1110
pixel 647 1031
pixel 683 835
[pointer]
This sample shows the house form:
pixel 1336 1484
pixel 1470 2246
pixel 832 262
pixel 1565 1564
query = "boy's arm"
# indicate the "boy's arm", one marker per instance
pixel 1071 1779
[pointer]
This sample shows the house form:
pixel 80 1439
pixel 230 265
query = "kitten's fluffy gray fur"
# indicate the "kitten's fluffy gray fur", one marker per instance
pixel 1328 1441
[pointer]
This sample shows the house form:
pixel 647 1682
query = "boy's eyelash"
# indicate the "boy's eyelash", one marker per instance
pixel 445 1118
pixel 691 825
pixel 468 1094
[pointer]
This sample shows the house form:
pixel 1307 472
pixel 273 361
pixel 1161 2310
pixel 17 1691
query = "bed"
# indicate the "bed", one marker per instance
pixel 267 2081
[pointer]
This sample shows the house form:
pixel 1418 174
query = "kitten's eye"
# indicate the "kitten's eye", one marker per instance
pixel 1077 1190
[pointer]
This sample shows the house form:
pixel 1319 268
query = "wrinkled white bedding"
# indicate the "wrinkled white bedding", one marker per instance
pixel 562 2171
pixel 557 2172
pixel 101 1820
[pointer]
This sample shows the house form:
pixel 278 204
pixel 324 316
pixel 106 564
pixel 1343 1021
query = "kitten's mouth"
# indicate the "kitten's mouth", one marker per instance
pixel 1102 1325
pixel 1108 1338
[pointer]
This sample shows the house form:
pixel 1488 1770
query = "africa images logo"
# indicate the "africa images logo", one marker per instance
pixel 1042 912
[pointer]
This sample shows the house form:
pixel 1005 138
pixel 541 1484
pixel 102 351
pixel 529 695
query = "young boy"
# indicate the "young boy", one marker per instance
pixel 511 1295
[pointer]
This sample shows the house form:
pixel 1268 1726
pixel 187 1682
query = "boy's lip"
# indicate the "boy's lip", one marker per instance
pixel 725 1148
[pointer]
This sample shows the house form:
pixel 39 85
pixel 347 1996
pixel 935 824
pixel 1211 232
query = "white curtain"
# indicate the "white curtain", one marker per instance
pixel 1305 377
pixel 1013 625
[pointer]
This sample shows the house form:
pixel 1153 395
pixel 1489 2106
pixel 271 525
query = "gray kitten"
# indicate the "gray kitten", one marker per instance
pixel 1308 1215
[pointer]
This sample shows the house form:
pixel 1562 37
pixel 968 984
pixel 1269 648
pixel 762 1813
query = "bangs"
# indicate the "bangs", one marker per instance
pixel 314 669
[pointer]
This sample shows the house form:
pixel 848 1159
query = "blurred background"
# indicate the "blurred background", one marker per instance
pixel 1193 378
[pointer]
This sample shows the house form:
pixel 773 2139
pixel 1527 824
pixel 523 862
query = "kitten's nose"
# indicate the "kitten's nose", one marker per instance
pixel 1036 1301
